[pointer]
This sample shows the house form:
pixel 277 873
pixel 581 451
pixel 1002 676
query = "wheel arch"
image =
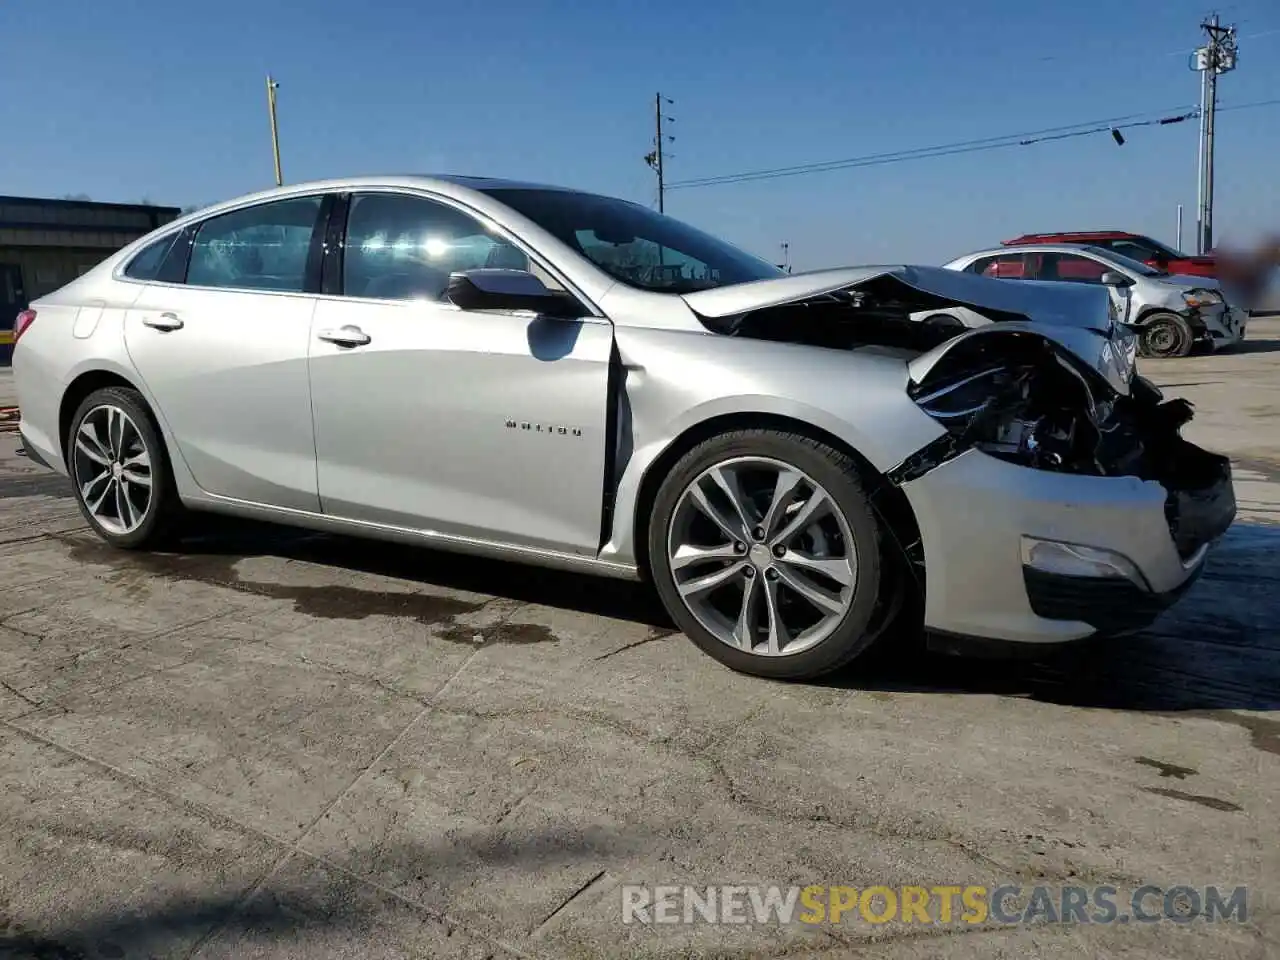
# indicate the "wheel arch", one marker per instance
pixel 888 501
pixel 82 386
pixel 1149 311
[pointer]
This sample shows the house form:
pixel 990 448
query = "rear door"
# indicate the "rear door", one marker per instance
pixel 220 339
pixel 472 424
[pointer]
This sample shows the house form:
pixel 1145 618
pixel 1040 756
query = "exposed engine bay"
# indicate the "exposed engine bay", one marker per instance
pixel 877 313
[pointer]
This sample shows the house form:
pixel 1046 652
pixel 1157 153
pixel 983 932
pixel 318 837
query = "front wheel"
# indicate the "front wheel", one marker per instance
pixel 1166 335
pixel 120 470
pixel 766 553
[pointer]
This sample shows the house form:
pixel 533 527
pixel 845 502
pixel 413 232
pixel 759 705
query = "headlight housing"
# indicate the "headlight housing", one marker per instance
pixel 1201 298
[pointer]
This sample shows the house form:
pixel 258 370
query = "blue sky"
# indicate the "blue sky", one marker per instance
pixel 165 100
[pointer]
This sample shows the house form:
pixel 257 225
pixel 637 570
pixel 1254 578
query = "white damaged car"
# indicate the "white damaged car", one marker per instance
pixel 1172 314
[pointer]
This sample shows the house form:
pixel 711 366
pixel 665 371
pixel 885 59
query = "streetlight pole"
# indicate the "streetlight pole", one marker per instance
pixel 272 86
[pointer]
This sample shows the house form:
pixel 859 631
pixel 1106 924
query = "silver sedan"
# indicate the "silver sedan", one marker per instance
pixel 549 376
pixel 1172 313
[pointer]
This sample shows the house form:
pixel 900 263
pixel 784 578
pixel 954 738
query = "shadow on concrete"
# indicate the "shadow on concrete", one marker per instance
pixel 1252 346
pixel 309 909
pixel 1217 650
pixel 210 554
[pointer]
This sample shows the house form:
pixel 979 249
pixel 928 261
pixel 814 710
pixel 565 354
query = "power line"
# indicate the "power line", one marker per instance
pixel 1025 138
pixel 895 156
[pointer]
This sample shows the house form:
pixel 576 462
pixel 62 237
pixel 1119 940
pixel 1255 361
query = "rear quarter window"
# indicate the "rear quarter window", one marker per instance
pixel 146 263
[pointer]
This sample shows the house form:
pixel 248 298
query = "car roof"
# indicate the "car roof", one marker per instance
pixel 1035 248
pixel 447 183
pixel 1102 234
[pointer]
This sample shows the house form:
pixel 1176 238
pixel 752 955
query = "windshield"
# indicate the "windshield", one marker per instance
pixel 1165 250
pixel 1119 259
pixel 636 245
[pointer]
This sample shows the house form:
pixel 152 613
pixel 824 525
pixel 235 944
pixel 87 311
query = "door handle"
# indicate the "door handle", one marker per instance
pixel 165 322
pixel 348 336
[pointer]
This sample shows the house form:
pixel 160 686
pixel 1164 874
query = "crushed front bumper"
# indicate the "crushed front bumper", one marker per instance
pixel 1224 326
pixel 1120 549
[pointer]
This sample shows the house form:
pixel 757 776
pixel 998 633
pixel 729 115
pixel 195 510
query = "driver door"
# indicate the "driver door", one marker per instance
pixel 481 425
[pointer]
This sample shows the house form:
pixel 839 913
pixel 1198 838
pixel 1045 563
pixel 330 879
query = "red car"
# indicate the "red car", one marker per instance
pixel 1135 246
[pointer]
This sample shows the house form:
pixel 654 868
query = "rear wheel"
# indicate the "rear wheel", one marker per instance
pixel 120 470
pixel 767 554
pixel 1166 335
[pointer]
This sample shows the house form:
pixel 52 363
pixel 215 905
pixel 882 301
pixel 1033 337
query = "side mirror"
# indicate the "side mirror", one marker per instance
pixel 497 289
pixel 1114 278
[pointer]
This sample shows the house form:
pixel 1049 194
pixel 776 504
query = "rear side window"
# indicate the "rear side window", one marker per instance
pixel 260 248
pixel 146 264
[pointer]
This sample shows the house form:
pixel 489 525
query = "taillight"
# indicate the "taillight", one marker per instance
pixel 20 324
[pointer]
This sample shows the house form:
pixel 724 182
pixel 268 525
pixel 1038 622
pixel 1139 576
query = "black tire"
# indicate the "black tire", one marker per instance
pixel 867 614
pixel 164 508
pixel 1165 335
pixel 945 321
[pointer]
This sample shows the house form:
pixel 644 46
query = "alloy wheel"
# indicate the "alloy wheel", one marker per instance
pixel 762 556
pixel 112 469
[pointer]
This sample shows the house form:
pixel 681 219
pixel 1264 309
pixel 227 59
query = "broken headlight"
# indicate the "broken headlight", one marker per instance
pixel 1035 416
pixel 1201 298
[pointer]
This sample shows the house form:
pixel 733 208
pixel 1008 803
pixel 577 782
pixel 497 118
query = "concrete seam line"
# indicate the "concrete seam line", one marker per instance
pixel 427 707
pixel 223 819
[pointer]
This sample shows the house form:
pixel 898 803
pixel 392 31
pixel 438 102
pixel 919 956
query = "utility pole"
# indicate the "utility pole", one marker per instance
pixel 786 256
pixel 1217 56
pixel 272 86
pixel 655 157
pixel 1179 243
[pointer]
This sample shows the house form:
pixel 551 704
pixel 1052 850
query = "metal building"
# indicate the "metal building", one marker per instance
pixel 47 243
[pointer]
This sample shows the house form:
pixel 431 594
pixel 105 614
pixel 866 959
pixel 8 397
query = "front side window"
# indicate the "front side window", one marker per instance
pixel 1133 250
pixel 1127 263
pixel 402 247
pixel 636 245
pixel 146 263
pixel 258 248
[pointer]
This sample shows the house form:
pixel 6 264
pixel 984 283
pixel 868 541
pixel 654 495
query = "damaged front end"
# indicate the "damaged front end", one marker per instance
pixel 1017 396
pixel 1048 382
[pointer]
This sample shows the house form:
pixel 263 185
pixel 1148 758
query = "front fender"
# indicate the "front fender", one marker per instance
pixel 674 384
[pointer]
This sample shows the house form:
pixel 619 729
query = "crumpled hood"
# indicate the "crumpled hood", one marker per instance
pixel 1076 316
pixel 1069 305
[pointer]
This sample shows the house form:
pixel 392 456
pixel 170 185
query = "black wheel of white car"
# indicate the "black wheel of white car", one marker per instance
pixel 946 321
pixel 120 470
pixel 1166 335
pixel 766 553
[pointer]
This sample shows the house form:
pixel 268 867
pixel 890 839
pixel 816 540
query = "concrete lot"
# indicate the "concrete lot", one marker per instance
pixel 278 744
